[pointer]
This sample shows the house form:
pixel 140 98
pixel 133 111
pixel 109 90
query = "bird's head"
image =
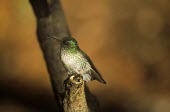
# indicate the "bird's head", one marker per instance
pixel 67 42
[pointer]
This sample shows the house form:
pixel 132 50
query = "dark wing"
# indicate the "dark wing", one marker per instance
pixel 94 72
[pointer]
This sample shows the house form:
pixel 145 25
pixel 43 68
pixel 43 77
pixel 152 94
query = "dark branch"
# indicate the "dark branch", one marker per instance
pixel 51 22
pixel 40 10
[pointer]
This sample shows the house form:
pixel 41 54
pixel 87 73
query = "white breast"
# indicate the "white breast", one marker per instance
pixel 75 62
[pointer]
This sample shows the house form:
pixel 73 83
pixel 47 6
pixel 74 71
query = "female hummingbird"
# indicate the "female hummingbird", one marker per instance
pixel 76 61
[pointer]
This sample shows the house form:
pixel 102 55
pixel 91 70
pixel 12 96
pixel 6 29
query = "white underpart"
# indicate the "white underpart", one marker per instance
pixel 76 63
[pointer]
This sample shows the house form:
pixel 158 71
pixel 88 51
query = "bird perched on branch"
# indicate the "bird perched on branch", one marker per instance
pixel 76 61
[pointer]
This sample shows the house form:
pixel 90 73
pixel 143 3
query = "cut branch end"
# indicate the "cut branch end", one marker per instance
pixel 75 100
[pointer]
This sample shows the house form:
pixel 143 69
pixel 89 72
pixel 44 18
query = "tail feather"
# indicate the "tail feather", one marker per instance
pixel 97 76
pixel 87 77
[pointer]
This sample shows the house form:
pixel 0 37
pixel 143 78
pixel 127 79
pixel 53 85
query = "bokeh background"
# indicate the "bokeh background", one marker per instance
pixel 128 40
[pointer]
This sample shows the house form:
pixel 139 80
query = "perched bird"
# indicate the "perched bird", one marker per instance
pixel 76 61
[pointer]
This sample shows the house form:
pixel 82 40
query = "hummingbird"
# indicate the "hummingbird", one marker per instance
pixel 76 61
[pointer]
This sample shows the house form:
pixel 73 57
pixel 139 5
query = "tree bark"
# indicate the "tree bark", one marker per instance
pixel 51 22
pixel 75 99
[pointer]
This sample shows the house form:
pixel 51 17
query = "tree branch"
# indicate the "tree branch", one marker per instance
pixel 51 22
pixel 75 100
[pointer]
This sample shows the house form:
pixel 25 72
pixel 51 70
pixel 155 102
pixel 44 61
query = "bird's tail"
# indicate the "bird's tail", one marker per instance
pixel 97 76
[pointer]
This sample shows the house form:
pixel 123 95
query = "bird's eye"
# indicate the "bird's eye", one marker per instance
pixel 67 42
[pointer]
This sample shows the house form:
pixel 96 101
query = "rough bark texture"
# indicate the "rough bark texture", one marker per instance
pixel 51 22
pixel 75 100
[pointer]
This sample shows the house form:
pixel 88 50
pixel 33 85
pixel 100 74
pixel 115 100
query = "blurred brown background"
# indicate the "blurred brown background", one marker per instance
pixel 128 40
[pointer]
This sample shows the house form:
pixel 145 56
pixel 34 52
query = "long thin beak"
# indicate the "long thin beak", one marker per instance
pixel 55 39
